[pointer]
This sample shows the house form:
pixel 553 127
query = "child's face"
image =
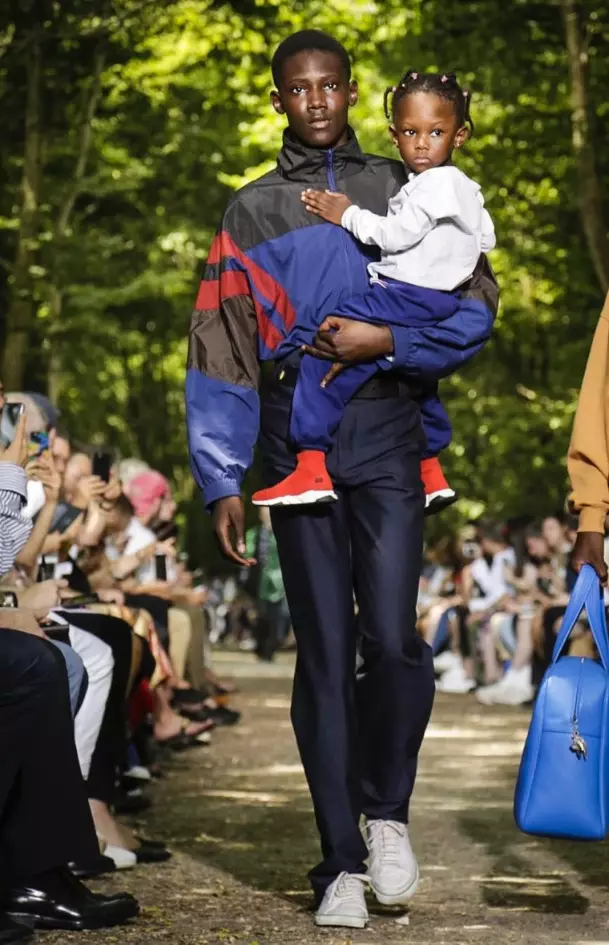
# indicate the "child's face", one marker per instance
pixel 315 95
pixel 425 131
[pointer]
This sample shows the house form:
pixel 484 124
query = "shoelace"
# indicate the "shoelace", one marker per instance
pixel 346 889
pixel 387 834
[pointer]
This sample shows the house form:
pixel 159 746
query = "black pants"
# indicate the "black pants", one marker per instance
pixel 358 739
pixel 111 746
pixel 44 815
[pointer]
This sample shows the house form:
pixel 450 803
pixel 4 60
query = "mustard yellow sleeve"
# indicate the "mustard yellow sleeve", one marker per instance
pixel 588 457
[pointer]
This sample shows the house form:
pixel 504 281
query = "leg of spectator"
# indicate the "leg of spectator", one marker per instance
pixel 40 829
pixel 180 635
pixel 99 662
pixel 77 675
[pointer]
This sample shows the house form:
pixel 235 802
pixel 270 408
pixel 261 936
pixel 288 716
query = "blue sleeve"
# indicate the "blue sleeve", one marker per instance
pixel 223 421
pixel 439 350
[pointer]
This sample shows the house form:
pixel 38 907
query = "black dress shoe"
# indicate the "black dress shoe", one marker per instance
pixel 57 900
pixel 92 868
pixel 134 802
pixel 13 931
pixel 151 852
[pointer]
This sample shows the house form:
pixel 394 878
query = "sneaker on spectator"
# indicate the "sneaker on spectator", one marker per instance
pixel 456 681
pixel 515 688
pixel 393 870
pixel 446 661
pixel 344 904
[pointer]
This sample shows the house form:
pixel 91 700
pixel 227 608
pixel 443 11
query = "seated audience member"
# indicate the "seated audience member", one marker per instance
pixel 41 831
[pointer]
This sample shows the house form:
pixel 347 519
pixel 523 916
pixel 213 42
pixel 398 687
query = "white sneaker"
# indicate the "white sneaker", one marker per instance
pixel 514 688
pixel 456 681
pixel 123 859
pixel 394 872
pixel 344 903
pixel 446 661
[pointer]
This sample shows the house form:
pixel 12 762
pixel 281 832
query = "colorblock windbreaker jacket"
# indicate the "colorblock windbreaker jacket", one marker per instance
pixel 273 273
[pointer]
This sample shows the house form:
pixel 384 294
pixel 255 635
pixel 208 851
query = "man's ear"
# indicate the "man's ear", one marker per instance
pixel 276 102
pixel 462 136
pixel 353 92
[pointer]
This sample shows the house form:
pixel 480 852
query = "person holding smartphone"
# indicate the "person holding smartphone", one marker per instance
pixel 40 830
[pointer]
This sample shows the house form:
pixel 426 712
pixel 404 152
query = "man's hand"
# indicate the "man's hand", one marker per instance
pixel 41 598
pixel 326 204
pixel 17 452
pixel 349 341
pixel 229 525
pixel 15 618
pixel 589 548
pixel 167 547
pixel 43 469
pixel 89 489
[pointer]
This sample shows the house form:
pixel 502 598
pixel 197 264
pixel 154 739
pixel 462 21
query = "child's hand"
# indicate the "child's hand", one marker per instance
pixel 326 204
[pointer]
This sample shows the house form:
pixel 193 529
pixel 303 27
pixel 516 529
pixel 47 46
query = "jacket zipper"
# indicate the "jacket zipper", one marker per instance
pixel 330 169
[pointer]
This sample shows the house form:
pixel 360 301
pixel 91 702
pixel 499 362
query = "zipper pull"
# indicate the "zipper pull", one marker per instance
pixel 578 743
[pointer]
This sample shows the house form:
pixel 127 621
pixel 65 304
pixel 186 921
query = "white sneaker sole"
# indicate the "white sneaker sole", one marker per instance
pixel 311 497
pixel 342 921
pixel 400 898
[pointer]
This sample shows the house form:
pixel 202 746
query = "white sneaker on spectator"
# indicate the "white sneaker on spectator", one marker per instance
pixel 514 688
pixel 456 681
pixel 393 870
pixel 446 661
pixel 344 903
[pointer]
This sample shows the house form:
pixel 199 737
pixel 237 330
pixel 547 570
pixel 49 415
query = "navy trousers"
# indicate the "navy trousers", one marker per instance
pixel 358 738
pixel 317 411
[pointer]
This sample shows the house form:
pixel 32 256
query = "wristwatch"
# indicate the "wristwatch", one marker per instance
pixel 8 599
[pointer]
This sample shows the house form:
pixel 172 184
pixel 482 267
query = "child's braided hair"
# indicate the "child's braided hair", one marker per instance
pixel 444 84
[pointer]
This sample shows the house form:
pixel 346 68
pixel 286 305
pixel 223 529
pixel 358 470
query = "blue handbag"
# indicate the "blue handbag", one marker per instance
pixel 563 782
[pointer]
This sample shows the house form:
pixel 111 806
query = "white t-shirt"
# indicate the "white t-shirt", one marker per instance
pixel 435 229
pixel 139 537
pixel 490 579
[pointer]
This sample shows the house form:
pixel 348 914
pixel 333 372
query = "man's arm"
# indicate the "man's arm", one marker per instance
pixel 222 406
pixel 14 528
pixel 588 456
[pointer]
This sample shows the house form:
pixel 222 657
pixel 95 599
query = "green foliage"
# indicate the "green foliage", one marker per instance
pixel 183 118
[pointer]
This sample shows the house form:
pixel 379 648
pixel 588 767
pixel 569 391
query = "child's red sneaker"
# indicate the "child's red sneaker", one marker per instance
pixel 438 494
pixel 307 485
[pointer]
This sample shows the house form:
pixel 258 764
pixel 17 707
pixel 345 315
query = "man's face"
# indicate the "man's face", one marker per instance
pixel 315 96
pixel 61 452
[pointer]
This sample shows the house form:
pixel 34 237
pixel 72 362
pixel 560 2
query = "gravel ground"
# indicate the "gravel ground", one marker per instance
pixel 237 816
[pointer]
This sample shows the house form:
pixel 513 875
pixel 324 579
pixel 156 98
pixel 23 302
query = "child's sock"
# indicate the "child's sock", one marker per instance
pixel 438 493
pixel 307 485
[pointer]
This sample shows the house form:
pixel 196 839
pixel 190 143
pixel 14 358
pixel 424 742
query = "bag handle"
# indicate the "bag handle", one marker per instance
pixel 587 593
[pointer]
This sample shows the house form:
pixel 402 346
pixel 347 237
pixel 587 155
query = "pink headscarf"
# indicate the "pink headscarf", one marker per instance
pixel 144 490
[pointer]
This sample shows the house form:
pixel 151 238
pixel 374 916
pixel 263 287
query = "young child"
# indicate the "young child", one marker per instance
pixel 430 242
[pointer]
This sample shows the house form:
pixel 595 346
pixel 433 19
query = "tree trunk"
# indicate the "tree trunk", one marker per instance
pixel 591 196
pixel 21 311
pixel 64 214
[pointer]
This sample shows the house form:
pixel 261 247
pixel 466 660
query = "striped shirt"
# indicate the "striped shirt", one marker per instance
pixel 14 528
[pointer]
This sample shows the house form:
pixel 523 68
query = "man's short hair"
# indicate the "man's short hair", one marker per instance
pixel 308 41
pixel 124 507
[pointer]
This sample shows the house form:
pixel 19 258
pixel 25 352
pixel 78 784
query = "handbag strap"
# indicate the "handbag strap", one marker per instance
pixel 586 593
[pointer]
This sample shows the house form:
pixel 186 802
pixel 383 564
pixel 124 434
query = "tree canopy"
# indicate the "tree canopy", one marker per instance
pixel 128 124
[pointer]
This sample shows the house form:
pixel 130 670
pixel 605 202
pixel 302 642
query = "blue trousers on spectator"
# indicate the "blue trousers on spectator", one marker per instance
pixel 77 675
pixel 317 411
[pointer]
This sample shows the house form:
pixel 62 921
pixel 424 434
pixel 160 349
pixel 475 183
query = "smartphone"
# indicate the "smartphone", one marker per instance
pixel 9 418
pixel 46 570
pixel 39 443
pixel 102 463
pixel 160 563
pixel 83 601
pixel 65 519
